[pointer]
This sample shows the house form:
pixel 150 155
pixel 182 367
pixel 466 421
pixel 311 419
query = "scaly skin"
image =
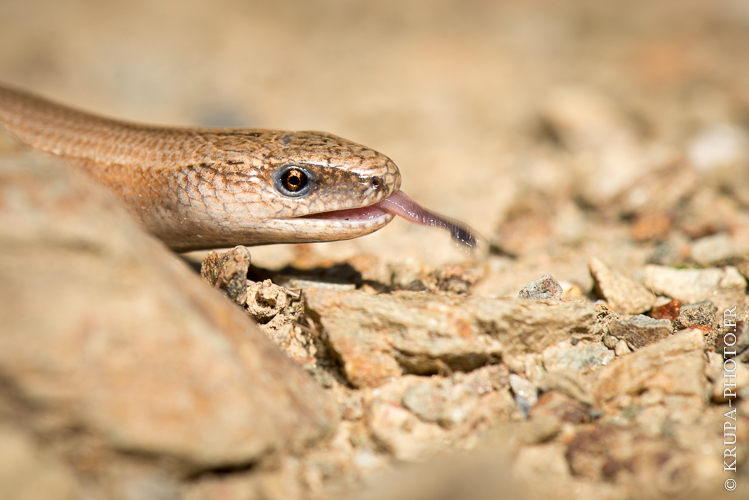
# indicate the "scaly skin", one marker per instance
pixel 197 188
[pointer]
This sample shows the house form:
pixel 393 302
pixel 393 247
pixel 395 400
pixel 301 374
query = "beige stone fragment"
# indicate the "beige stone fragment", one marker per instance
pixel 568 382
pixel 581 357
pixel 381 336
pixel 544 461
pixel 112 334
pixel 622 348
pixel 725 287
pixel 402 433
pixel 25 474
pixel 482 475
pixel 622 294
pixel 640 330
pixel 675 365
pixel 526 392
pixel 446 404
pixel 715 250
pixel 227 271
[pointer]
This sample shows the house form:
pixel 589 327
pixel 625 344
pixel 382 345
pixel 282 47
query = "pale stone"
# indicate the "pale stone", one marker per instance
pixel 725 287
pixel 402 433
pixel 580 357
pixel 622 348
pixel 674 366
pixel 546 287
pixel 112 334
pixel 26 474
pixel 621 293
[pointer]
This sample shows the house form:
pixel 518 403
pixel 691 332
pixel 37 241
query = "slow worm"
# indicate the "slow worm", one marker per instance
pixel 198 188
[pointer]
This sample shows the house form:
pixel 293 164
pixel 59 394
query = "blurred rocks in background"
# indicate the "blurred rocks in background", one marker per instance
pixel 602 143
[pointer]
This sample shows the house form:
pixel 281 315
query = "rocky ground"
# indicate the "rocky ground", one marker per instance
pixel 583 351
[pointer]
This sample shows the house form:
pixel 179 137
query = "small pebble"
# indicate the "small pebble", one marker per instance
pixel 693 315
pixel 545 287
pixel 639 331
pixel 622 348
pixel 526 393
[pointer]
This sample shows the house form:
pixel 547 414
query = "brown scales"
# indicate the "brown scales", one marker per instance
pixel 205 188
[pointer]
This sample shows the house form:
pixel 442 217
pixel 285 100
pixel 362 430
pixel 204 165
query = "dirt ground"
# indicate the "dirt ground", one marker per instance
pixel 605 144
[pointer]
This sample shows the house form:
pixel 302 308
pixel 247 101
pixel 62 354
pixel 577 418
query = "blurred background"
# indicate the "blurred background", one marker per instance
pixel 484 105
pixel 561 130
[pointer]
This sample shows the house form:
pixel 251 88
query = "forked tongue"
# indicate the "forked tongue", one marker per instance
pixel 400 204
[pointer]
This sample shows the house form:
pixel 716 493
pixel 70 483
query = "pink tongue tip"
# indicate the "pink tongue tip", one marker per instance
pixel 399 203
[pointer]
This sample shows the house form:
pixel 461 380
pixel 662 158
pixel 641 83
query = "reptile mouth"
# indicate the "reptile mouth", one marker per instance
pixel 400 204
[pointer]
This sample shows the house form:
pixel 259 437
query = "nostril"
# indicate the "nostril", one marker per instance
pixel 376 183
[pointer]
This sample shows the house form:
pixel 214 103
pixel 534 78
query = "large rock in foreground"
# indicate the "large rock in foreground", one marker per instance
pixel 106 332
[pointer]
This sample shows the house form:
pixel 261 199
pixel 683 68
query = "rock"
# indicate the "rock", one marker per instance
pixel 579 358
pixel 413 416
pixel 705 213
pixel 571 291
pixel 546 287
pixel 548 461
pixel 299 344
pixel 719 146
pixel 416 277
pixel 634 180
pixel 227 271
pixel 657 193
pixel 446 404
pixel 402 433
pixel 562 407
pixel 526 393
pixel 582 117
pixel 487 379
pixel 743 268
pixel 378 337
pixel 671 252
pixel 539 430
pixel 715 250
pixel 26 474
pixel 569 383
pixel 639 331
pixel 296 283
pixel 675 366
pixel 622 294
pixel 425 401
pixel 651 226
pixel 669 311
pixel 610 341
pixel 527 226
pixel 622 348
pixel 658 468
pixel 135 483
pixel 724 287
pixel 695 315
pixel 108 333
pixel 477 475
pixel 272 306
pixel 410 275
pixel 454 279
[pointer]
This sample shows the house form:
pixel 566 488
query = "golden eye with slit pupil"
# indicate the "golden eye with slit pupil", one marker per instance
pixel 294 180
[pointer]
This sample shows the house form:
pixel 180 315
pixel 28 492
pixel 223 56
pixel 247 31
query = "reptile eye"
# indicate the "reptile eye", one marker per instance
pixel 294 180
